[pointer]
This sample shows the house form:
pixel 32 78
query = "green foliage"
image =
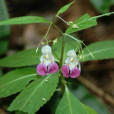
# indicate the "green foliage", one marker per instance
pixel 69 104
pixel 112 2
pixel 4 30
pixel 35 94
pixel 100 50
pixel 87 98
pixel 24 20
pixel 3 47
pixel 1 73
pixel 64 8
pixel 85 22
pixel 69 44
pixel 37 90
pixel 23 58
pixel 16 80
pixel 102 6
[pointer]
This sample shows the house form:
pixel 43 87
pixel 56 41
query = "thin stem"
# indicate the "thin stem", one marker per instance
pixel 61 62
pixel 47 32
pixel 45 37
pixel 81 52
pixel 88 50
pixel 62 20
pixel 62 52
pixel 63 82
pixel 58 28
pixel 39 45
pixel 82 43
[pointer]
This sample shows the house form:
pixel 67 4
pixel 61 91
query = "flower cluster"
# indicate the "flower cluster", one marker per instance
pixel 48 66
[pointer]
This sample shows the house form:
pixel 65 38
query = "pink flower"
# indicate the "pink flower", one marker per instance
pixel 47 64
pixel 70 69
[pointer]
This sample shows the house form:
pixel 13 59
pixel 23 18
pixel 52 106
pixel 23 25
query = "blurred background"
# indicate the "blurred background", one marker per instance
pixel 96 85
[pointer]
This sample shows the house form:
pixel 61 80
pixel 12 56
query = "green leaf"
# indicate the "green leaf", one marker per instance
pixel 24 20
pixel 4 30
pixel 86 97
pixel 69 104
pixel 64 8
pixel 16 80
pixel 3 47
pixel 102 6
pixel 89 110
pixel 36 94
pixel 112 2
pixel 20 112
pixel 23 58
pixel 100 50
pixel 69 44
pixel 85 22
pixel 1 73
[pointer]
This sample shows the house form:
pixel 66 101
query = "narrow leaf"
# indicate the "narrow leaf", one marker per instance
pixel 69 104
pixel 64 8
pixel 85 22
pixel 102 6
pixel 24 20
pixel 23 58
pixel 3 47
pixel 4 30
pixel 85 96
pixel 16 80
pixel 36 94
pixel 100 50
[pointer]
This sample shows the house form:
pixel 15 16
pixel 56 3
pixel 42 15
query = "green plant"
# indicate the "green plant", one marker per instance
pixel 36 90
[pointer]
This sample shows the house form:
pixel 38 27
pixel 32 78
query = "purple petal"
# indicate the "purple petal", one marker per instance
pixel 41 69
pixel 65 70
pixel 74 73
pixel 53 68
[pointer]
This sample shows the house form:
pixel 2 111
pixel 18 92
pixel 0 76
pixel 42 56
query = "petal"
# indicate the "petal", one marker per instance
pixel 72 65
pixel 67 60
pixel 46 49
pixel 47 62
pixel 53 67
pixel 74 73
pixel 65 70
pixel 41 58
pixel 41 69
pixel 71 53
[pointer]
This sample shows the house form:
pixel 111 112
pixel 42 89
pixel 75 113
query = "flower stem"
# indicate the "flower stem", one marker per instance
pixel 62 79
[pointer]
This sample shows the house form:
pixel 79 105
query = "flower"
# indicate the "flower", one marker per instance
pixel 70 69
pixel 47 64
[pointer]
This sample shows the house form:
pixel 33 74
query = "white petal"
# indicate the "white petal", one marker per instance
pixel 79 66
pixel 76 62
pixel 46 49
pixel 47 62
pixel 52 58
pixel 71 53
pixel 41 58
pixel 67 60
pixel 72 65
